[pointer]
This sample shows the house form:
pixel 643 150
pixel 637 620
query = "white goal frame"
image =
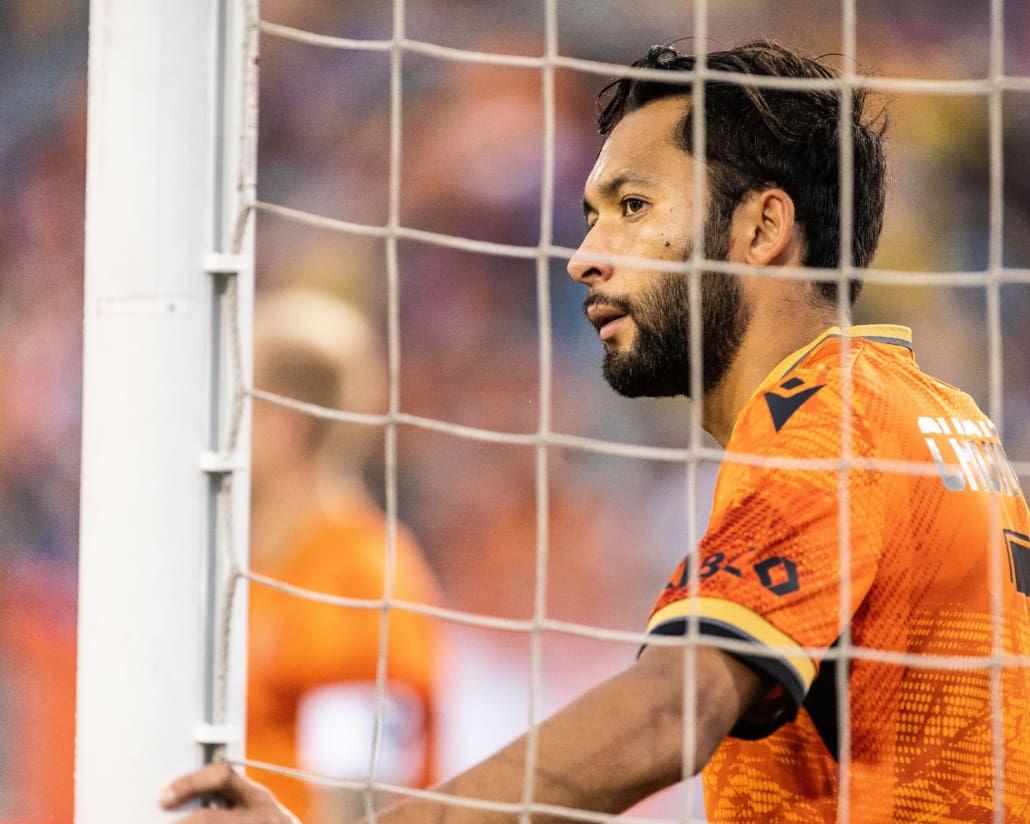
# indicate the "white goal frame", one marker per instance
pixel 165 439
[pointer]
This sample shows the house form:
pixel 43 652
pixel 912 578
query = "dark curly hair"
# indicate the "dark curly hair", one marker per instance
pixel 760 138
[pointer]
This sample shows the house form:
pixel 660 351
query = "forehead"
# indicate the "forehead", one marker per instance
pixel 643 144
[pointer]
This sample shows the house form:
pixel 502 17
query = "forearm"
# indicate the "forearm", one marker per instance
pixel 617 744
pixel 591 755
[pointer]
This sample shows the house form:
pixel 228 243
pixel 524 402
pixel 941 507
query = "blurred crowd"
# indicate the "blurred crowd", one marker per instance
pixel 471 335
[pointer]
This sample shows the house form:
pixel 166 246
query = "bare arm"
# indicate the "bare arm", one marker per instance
pixel 617 744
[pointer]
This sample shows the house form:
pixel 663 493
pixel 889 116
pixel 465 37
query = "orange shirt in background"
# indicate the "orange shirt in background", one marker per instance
pixel 37 653
pixel 313 666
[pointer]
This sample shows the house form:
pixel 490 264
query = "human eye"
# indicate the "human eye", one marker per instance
pixel 632 205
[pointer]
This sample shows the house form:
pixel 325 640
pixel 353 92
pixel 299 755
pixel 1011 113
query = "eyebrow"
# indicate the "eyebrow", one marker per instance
pixel 610 187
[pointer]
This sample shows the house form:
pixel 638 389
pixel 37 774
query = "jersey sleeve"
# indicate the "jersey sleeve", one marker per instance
pixel 767 574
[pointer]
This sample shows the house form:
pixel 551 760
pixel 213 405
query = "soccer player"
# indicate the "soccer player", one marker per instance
pixel 313 525
pixel 854 615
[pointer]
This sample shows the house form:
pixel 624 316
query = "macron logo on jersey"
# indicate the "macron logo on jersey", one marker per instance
pixel 781 407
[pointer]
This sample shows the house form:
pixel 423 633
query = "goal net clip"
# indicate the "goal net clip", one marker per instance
pixel 218 735
pixel 221 463
pixel 220 263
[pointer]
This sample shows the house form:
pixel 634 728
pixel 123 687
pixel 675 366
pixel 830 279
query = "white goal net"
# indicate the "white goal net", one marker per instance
pixel 424 162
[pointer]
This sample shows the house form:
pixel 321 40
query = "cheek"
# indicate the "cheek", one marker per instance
pixel 676 243
pixel 738 244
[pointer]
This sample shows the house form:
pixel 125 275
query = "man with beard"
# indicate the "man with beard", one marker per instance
pixel 862 514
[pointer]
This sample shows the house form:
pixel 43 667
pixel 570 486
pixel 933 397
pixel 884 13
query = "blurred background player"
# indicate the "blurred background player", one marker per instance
pixel 312 666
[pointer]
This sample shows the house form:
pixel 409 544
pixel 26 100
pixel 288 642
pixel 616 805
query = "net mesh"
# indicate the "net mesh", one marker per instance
pixel 426 160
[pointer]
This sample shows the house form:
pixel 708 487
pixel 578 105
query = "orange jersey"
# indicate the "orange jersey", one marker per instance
pixel 307 653
pixel 915 554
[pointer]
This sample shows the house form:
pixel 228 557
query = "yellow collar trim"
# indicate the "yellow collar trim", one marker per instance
pixel 885 332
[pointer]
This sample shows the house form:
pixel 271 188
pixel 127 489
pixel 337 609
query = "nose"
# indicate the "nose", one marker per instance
pixel 587 265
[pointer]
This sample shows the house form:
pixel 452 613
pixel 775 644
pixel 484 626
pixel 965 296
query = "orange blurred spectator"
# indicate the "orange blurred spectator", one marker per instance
pixel 37 658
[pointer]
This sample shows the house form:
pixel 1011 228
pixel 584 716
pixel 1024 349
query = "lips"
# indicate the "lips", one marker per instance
pixel 605 318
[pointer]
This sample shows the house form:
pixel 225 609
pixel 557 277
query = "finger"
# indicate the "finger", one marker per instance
pixel 218 779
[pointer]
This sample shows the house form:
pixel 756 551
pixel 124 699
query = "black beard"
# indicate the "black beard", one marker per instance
pixel 658 363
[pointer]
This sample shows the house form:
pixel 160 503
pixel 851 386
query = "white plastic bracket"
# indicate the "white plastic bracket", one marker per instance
pixel 221 463
pixel 220 263
pixel 218 734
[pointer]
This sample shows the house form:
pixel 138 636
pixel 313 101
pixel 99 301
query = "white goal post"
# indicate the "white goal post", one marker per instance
pixel 168 296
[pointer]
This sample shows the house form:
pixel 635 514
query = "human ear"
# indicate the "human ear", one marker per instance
pixel 764 222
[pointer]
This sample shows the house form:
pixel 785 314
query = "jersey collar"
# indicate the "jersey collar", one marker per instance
pixel 877 332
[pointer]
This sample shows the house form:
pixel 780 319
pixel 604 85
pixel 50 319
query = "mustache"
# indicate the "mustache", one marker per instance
pixel 595 298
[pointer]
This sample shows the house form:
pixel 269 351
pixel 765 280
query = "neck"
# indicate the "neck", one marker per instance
pixel 771 336
pixel 283 505
pixel 280 505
